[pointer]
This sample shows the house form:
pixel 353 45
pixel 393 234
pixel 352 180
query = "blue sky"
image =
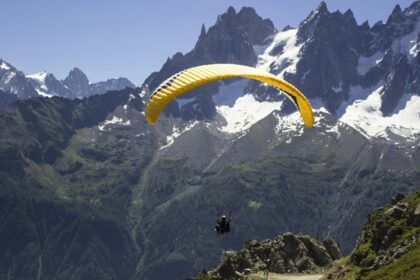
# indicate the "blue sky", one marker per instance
pixel 132 38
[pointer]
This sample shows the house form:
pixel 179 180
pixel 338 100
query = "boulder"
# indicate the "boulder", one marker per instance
pixel 333 249
pixel 395 212
pixel 396 198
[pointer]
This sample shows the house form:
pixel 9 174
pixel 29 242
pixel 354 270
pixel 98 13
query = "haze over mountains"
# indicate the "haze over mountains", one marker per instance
pixel 93 192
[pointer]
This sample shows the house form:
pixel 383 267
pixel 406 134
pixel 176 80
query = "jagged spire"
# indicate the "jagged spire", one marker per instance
pixel 231 11
pixel 322 7
pixel 396 13
pixel 202 32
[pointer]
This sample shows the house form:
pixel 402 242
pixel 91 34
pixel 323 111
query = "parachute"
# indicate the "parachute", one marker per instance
pixel 194 77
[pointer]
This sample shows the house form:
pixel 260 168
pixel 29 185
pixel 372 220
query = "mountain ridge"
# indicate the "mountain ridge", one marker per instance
pixel 75 85
pixel 233 145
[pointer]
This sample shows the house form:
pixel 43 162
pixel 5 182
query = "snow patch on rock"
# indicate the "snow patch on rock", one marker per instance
pixel 114 121
pixel 287 60
pixel 176 132
pixel 290 125
pixel 4 66
pixel 40 87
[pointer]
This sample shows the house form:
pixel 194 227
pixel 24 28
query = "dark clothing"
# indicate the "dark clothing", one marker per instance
pixel 222 225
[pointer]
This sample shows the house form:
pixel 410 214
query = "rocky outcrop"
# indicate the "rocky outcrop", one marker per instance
pixel 391 233
pixel 288 253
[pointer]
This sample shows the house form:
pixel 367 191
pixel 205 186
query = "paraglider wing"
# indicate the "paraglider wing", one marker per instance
pixel 191 78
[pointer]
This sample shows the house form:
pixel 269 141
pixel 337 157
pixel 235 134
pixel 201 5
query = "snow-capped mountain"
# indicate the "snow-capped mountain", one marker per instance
pixel 75 85
pixel 362 76
pixel 14 81
pixel 234 144
pixel 47 85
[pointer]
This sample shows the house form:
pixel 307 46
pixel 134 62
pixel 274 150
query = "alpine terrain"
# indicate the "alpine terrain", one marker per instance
pixel 16 85
pixel 89 190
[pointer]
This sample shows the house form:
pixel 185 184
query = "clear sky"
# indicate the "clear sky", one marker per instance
pixel 132 38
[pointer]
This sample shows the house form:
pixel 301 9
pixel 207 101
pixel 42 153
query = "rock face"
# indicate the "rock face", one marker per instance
pixel 391 233
pixel 6 99
pixel 77 81
pixel 15 82
pixel 288 253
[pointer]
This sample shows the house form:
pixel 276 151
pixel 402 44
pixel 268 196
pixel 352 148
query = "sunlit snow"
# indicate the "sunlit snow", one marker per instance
pixel 4 66
pixel 9 77
pixel 228 94
pixel 366 117
pixel 39 77
pixel 289 124
pixel 245 112
pixel 287 60
pixel 41 89
pixel 114 120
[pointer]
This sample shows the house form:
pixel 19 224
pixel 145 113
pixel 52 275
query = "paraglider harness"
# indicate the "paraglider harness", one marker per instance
pixel 223 224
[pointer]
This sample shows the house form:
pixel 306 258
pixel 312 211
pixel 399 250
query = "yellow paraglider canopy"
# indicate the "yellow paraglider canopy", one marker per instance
pixel 191 78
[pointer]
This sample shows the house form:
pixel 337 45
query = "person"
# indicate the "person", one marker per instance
pixel 223 225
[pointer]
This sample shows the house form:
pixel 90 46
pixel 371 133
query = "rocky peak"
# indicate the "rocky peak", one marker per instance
pixel 230 40
pixel 14 81
pixel 415 6
pixel 328 55
pixel 322 8
pixel 396 15
pixel 246 25
pixel 399 23
pixel 4 66
pixel 76 81
pixel 202 33
pixel 314 16
pixel 321 22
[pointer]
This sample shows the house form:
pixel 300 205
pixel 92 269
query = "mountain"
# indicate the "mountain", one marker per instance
pixel 230 40
pixel 15 82
pixel 80 87
pixel 357 73
pixel 47 85
pixel 75 85
pixel 227 146
pixel 55 226
pixel 93 192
